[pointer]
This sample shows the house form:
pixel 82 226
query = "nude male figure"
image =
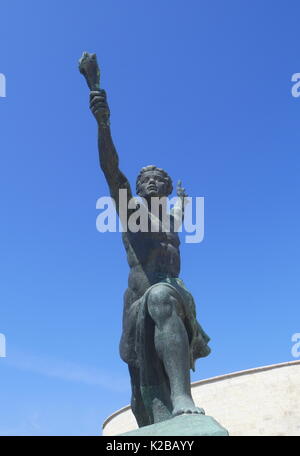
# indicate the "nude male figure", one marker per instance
pixel 161 337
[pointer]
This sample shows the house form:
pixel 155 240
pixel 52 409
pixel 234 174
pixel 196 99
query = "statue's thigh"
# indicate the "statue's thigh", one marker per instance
pixel 162 301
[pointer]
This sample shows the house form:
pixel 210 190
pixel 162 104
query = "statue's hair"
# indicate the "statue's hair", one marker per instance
pixel 165 175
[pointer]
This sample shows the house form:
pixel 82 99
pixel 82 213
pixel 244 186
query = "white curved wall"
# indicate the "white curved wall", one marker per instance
pixel 261 401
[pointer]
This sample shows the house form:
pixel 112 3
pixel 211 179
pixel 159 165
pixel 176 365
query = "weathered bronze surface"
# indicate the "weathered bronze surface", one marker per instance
pixel 161 337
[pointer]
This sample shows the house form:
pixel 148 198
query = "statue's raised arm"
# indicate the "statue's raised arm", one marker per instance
pixel 109 160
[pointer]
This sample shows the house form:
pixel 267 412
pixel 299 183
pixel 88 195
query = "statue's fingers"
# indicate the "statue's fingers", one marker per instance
pixel 97 100
pixel 96 108
pixel 100 92
pixel 102 109
pixel 93 93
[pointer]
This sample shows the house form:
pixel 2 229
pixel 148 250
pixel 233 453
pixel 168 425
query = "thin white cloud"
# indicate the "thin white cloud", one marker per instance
pixel 68 371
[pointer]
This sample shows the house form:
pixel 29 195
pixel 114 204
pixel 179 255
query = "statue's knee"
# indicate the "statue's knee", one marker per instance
pixel 160 302
pixel 160 294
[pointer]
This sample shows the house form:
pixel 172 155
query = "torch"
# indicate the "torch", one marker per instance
pixel 88 66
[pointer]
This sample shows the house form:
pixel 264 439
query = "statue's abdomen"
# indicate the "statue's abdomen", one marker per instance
pixel 151 257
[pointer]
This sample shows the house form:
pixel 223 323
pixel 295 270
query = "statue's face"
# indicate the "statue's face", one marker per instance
pixel 152 183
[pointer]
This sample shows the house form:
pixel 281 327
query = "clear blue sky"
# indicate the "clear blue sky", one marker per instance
pixel 200 88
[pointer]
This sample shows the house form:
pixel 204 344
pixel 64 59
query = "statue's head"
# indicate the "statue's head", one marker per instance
pixel 153 181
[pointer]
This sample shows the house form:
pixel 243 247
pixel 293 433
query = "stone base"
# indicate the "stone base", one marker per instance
pixel 182 425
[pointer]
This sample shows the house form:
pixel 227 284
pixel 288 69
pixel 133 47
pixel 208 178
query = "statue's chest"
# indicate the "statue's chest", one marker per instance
pixel 145 246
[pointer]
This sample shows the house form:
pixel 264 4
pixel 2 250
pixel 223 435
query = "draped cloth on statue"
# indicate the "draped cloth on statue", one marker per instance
pixel 137 320
pixel 151 399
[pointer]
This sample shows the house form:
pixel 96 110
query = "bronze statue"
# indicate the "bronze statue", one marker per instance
pixel 161 337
